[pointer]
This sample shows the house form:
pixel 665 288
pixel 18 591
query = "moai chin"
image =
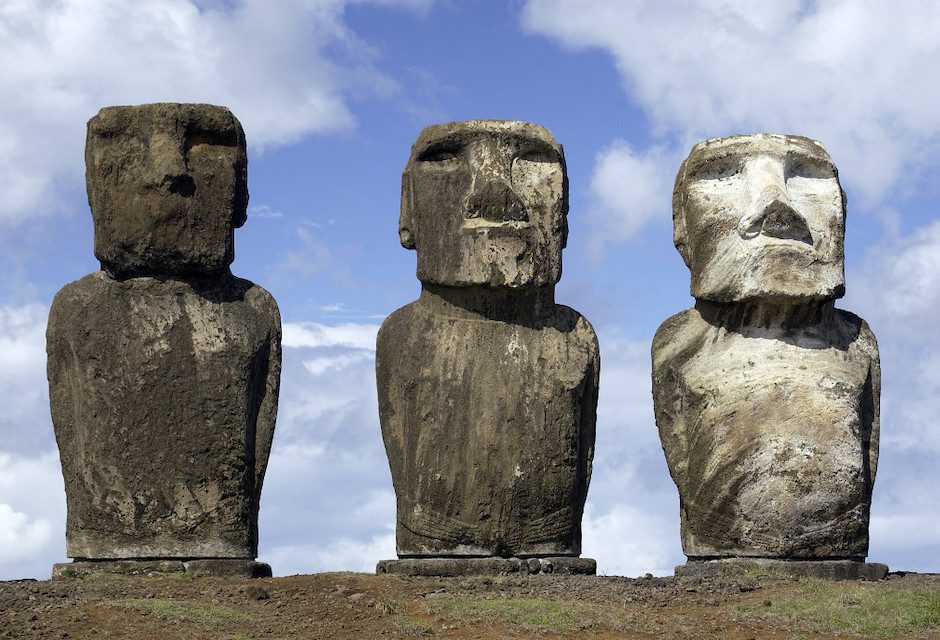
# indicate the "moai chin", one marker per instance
pixel 766 395
pixel 163 367
pixel 487 388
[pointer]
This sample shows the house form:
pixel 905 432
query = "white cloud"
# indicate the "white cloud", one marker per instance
pixel 32 515
pixel 328 502
pixel 285 69
pixel 263 211
pixel 352 550
pixel 21 536
pixel 859 76
pixel 23 390
pixel 319 366
pixel 630 189
pixel 631 521
pixel 630 541
pixel 315 335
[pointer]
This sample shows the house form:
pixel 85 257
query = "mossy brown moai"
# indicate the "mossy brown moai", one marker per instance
pixel 487 388
pixel 163 367
pixel 766 395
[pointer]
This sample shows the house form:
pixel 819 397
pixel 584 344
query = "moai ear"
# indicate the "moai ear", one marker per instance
pixel 406 222
pixel 564 199
pixel 679 232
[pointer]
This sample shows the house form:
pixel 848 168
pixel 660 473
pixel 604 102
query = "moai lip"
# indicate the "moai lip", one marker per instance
pixel 163 367
pixel 487 388
pixel 766 395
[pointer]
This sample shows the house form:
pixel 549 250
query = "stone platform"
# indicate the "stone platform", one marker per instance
pixel 449 567
pixel 216 567
pixel 826 569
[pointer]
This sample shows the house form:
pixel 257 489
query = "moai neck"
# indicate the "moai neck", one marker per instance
pixel 198 279
pixel 766 314
pixel 489 303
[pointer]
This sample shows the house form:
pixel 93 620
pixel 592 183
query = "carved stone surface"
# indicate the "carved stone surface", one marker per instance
pixel 163 367
pixel 452 567
pixel 167 185
pixel 216 567
pixel 487 388
pixel 766 396
pixel 825 569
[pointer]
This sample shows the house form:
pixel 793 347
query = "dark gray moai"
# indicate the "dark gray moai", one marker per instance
pixel 766 395
pixel 487 388
pixel 163 367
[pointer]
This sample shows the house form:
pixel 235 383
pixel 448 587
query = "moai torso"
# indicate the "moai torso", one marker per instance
pixel 766 396
pixel 163 367
pixel 487 388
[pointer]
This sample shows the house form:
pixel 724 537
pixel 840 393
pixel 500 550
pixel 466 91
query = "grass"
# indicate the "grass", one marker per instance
pixel 528 613
pixel 205 614
pixel 866 610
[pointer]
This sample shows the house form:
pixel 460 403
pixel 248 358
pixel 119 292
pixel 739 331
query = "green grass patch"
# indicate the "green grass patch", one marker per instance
pixel 871 611
pixel 529 613
pixel 204 614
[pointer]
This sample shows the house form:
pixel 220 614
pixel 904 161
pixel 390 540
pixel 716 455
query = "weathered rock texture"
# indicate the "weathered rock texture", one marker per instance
pixel 163 367
pixel 487 388
pixel 766 396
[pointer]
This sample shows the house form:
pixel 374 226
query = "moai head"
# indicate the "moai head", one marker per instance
pixel 167 185
pixel 761 217
pixel 484 202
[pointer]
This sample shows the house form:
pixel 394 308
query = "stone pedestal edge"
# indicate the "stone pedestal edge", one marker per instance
pixel 826 569
pixel 215 567
pixel 451 567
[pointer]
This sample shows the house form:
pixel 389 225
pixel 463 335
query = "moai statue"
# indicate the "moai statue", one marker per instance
pixel 164 367
pixel 766 395
pixel 487 388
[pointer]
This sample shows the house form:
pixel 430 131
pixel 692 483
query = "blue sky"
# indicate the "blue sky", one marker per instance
pixel 333 92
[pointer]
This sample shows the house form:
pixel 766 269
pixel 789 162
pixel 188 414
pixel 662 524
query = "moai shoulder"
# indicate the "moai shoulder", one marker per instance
pixel 163 367
pixel 766 396
pixel 487 387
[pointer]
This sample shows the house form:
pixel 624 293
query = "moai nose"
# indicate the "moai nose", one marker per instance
pixel 770 211
pixel 169 167
pixel 492 198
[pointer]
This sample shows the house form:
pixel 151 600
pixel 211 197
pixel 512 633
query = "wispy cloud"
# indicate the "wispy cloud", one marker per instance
pixel 64 59
pixel 314 335
pixel 263 211
pixel 859 76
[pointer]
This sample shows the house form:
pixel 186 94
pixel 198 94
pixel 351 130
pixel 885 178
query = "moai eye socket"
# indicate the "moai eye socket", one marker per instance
pixel 206 139
pixel 540 156
pixel 535 166
pixel 802 166
pixel 717 168
pixel 440 153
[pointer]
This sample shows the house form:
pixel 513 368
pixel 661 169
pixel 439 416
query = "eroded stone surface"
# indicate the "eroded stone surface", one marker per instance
pixel 826 569
pixel 219 568
pixel 766 396
pixel 163 387
pixel 451 567
pixel 167 185
pixel 487 388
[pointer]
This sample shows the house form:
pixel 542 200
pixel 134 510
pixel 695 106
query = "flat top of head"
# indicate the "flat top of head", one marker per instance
pixel 462 131
pixel 112 121
pixel 778 145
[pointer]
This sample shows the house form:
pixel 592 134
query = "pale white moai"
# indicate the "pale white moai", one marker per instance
pixel 766 395
pixel 487 389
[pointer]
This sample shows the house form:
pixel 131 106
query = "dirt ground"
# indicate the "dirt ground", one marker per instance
pixel 352 605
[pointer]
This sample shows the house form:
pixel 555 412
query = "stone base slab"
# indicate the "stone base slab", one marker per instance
pixel 826 569
pixel 220 568
pixel 451 567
